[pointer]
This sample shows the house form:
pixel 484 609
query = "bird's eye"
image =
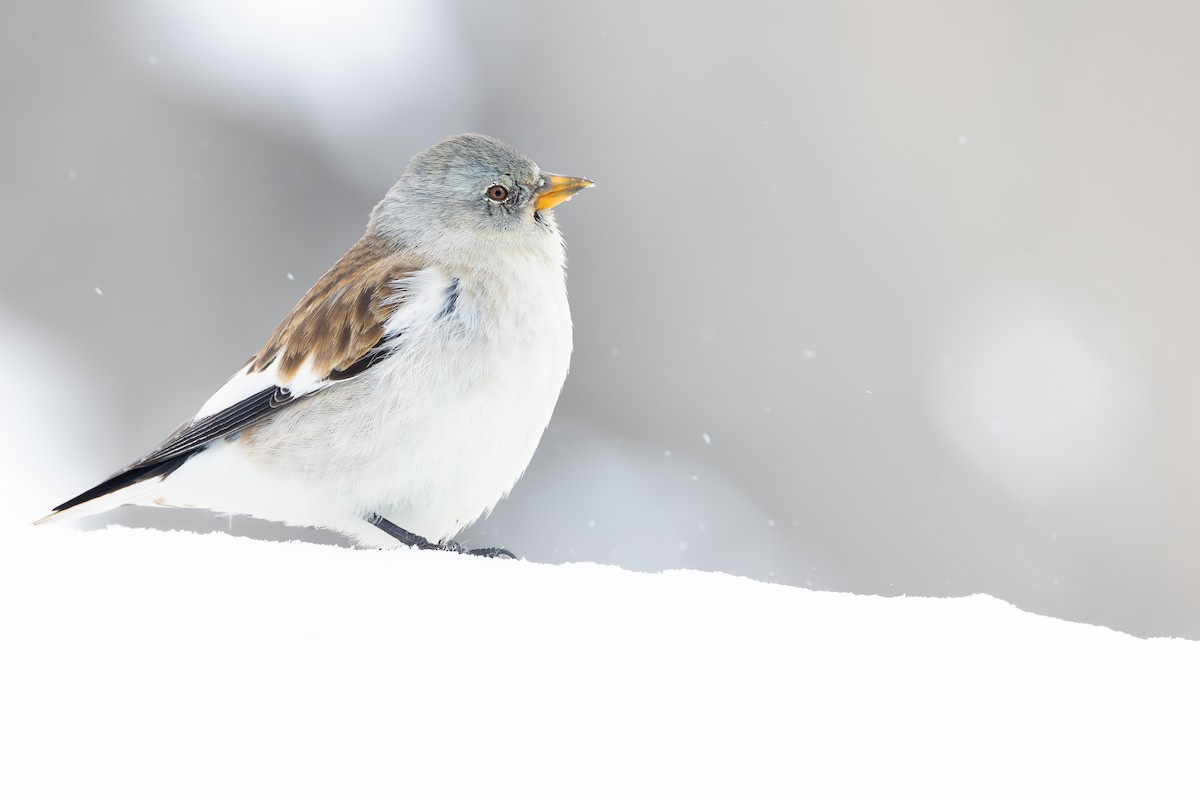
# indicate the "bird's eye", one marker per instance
pixel 498 193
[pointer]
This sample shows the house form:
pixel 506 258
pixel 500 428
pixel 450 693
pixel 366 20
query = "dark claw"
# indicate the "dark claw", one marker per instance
pixel 486 552
pixel 491 552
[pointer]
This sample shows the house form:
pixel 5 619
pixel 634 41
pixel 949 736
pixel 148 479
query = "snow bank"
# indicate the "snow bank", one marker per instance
pixel 139 663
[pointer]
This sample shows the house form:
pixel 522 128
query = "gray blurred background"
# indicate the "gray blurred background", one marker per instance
pixel 872 297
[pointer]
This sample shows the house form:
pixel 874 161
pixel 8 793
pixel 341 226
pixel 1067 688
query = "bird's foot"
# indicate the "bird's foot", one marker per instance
pixel 486 552
pixel 421 543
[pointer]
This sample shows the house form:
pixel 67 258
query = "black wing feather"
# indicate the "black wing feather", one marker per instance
pixel 189 440
pixel 377 353
pixel 224 423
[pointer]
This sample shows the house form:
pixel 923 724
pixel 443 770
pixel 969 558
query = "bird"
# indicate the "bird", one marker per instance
pixel 405 394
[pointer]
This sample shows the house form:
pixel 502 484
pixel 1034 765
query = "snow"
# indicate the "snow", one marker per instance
pixel 141 663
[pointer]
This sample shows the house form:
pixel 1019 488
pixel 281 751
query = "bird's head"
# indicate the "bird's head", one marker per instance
pixel 471 185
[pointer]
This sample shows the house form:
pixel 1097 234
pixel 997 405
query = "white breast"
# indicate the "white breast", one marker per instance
pixel 469 404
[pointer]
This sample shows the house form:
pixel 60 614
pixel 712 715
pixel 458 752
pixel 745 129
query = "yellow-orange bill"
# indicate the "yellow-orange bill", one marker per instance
pixel 557 188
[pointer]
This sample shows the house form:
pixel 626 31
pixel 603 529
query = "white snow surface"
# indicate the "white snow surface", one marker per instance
pixel 139 663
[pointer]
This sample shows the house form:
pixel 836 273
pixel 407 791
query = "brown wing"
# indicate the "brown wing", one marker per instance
pixel 342 317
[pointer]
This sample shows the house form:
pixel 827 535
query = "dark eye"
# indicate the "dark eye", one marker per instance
pixel 498 193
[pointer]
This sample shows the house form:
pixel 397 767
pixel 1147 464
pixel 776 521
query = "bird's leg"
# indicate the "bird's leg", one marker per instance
pixel 421 543
pixel 401 535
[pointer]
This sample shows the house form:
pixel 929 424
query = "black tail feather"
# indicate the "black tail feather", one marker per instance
pixel 128 477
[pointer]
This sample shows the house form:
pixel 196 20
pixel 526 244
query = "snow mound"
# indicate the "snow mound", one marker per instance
pixel 140 663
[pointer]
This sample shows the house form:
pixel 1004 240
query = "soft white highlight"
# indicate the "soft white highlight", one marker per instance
pixel 1025 395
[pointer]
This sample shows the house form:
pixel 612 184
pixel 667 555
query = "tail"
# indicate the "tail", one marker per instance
pixel 125 488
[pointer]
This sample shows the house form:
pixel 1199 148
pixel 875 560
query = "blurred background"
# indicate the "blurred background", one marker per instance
pixel 869 297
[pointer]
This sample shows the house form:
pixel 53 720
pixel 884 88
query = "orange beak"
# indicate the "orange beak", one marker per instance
pixel 555 189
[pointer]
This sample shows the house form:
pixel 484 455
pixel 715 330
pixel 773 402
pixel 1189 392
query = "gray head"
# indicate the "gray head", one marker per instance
pixel 469 190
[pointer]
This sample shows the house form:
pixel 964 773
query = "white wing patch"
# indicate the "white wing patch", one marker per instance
pixel 248 383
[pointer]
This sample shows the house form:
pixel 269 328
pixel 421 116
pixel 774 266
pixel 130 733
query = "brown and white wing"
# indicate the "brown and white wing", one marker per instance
pixel 353 319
